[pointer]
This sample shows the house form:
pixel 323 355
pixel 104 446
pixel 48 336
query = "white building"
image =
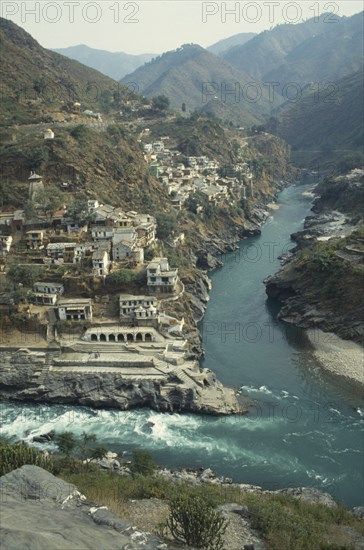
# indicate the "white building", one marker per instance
pixel 158 146
pixel 5 243
pixel 160 277
pixel 78 309
pixel 92 205
pixel 49 134
pixel 48 288
pixel 102 233
pixel 41 299
pixel 108 233
pixel 100 262
pixel 138 307
pixel 148 147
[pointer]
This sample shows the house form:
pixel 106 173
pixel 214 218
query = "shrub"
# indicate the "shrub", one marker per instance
pixel 24 275
pixel 15 456
pixel 120 277
pixel 194 522
pixel 142 463
pixel 161 103
pixel 80 133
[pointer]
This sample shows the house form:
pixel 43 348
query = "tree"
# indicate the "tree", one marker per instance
pixel 120 277
pixel 79 212
pixel 192 204
pixel 16 455
pixel 166 224
pixel 30 210
pixel 87 451
pixel 194 522
pixel 66 443
pixel 6 192
pixel 24 275
pixel 47 201
pixel 160 103
pixel 84 444
pixel 39 85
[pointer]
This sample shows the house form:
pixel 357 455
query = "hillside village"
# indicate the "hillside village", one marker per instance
pixel 101 239
pixel 53 253
pixel 181 180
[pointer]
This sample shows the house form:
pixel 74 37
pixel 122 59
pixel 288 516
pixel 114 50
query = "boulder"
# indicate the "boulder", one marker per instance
pixel 309 494
pixel 43 511
pixel 358 512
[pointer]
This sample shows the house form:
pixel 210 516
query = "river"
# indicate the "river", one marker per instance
pixel 305 429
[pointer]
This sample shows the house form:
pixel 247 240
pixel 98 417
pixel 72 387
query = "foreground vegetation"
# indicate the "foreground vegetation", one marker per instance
pixel 281 520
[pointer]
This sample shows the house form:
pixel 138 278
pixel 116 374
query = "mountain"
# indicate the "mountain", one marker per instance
pixel 36 81
pixel 196 77
pixel 222 46
pixel 95 157
pixel 326 126
pixel 113 64
pixel 328 56
pixel 305 51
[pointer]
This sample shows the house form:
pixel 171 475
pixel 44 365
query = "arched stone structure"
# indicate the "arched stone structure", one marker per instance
pixel 121 337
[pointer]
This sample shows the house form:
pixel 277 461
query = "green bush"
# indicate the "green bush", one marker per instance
pixel 15 456
pixel 24 275
pixel 80 133
pixel 272 516
pixel 120 277
pixel 142 463
pixel 194 522
pixel 167 224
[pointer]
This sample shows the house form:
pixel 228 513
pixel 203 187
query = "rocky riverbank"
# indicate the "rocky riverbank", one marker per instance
pixel 320 283
pixel 72 379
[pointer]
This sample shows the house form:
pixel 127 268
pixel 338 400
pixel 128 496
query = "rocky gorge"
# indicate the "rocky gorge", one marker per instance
pixel 320 282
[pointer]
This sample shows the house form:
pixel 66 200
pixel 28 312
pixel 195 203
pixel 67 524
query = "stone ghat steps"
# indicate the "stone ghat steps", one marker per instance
pixel 115 347
pixel 125 373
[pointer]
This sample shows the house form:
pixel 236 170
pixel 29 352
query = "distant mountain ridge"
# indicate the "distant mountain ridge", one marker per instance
pixel 327 56
pixel 196 77
pixel 326 125
pixel 314 49
pixel 222 46
pixel 113 64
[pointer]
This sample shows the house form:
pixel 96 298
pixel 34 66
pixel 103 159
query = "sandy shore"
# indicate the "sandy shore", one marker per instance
pixel 341 357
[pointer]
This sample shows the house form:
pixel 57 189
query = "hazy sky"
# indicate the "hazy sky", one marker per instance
pixel 155 26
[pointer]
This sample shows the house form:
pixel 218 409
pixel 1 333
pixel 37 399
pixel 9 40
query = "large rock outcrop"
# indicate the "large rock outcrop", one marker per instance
pixel 32 376
pixel 43 512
